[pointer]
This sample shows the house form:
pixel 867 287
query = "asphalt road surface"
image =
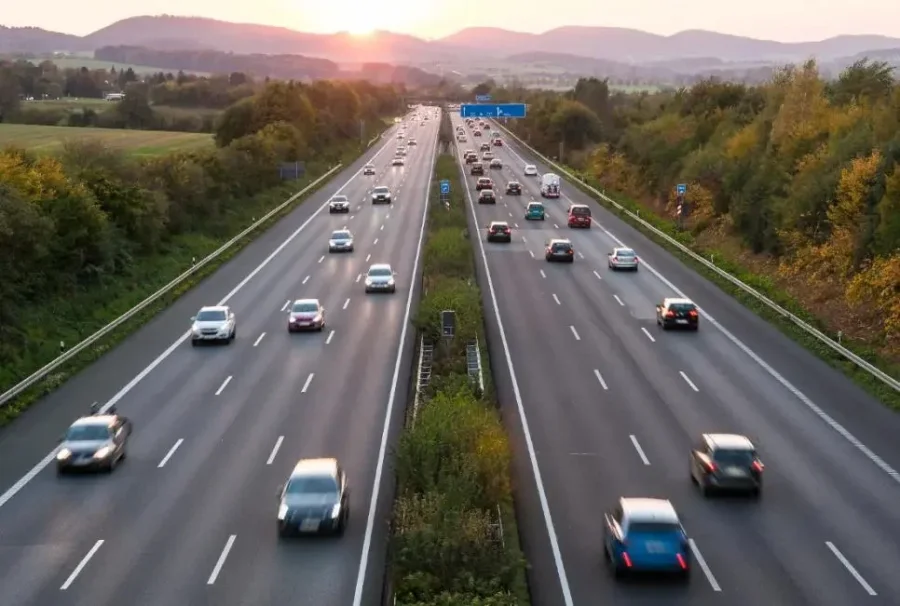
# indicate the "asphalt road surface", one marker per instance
pixel 603 404
pixel 190 517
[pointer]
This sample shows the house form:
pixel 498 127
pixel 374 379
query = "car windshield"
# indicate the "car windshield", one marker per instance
pixel 380 272
pixel 733 457
pixel 487 193
pixel 381 190
pixel 304 308
pixel 624 253
pixel 312 485
pixel 500 227
pixel 535 207
pixel 583 211
pixel 638 528
pixel 682 307
pixel 211 315
pixel 340 235
pixel 561 246
pixel 339 199
pixel 87 433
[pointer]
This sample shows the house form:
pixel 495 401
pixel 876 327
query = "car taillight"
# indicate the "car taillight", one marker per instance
pixel 615 259
pixel 571 252
pixel 710 466
pixel 670 314
pixel 681 561
pixel 757 466
pixel 626 559
pixel 692 314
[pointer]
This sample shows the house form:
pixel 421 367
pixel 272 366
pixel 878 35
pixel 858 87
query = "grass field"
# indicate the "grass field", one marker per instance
pixel 49 139
pixel 78 61
pixel 98 105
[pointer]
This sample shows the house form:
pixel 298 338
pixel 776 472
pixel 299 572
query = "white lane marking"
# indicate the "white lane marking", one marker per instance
pixel 600 378
pixel 330 337
pixel 308 381
pixel 382 449
pixel 703 566
pixel 375 242
pixel 524 239
pixel 322 258
pixel 618 300
pixel 555 298
pixel 275 450
pixel 382 228
pixel 556 226
pixel 688 380
pixel 368 257
pixel 531 252
pixel 221 561
pixel 346 303
pixel 649 336
pixel 598 275
pixel 224 385
pixel 850 568
pixel 170 453
pixel 580 255
pixel 305 280
pixel 529 443
pixel 387 216
pixel 359 277
pixel 351 217
pixel 510 214
pixel 285 306
pixel 640 451
pixel 543 275
pixel 258 339
pixel 84 562
pixel 575 333
pixel 516 225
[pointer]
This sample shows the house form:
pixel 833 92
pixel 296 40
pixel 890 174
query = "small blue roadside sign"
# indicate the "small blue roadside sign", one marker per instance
pixel 492 110
pixel 445 187
pixel 482 98
pixel 680 189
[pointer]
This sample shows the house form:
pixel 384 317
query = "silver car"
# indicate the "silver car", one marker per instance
pixel 369 169
pixel 380 278
pixel 315 499
pixel 339 204
pixel 306 314
pixel 215 323
pixel 341 241
pixel 623 258
pixel 398 161
pixel 531 170
pixel 381 195
pixel 94 443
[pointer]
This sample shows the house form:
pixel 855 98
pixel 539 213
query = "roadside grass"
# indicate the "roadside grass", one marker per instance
pixel 50 139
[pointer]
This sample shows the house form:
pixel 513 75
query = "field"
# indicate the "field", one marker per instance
pixel 49 139
pixel 79 61
pixel 98 105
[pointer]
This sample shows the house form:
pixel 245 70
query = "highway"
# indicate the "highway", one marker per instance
pixel 189 518
pixel 602 404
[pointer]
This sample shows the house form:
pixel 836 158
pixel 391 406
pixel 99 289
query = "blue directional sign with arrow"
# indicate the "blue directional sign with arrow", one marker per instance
pixel 492 110
pixel 482 98
pixel 445 187
pixel 681 189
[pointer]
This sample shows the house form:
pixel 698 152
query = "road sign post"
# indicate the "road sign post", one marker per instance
pixel 681 210
pixel 445 193
pixel 681 189
pixel 492 110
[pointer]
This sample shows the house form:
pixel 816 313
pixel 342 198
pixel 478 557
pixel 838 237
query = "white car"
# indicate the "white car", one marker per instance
pixel 339 204
pixel 398 161
pixel 380 278
pixel 381 195
pixel 306 314
pixel 401 151
pixel 531 171
pixel 623 258
pixel 341 241
pixel 214 323
pixel 369 169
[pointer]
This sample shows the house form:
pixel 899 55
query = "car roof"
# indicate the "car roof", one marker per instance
pixel 678 301
pixel 729 441
pixel 560 241
pixel 623 249
pixel 339 197
pixel 95 420
pixel 500 223
pixel 309 467
pixel 580 206
pixel 306 301
pixel 214 308
pixel 648 510
pixel 382 187
pixel 379 266
pixel 341 231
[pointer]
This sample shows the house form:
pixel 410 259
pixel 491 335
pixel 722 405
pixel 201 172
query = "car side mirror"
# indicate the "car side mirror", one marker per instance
pixel 193 318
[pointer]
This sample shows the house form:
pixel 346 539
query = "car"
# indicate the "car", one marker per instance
pixel 514 188
pixel 315 499
pixel 461 138
pixel 306 314
pixel 485 147
pixel 381 195
pixel 341 240
pixel 397 161
pixel 401 135
pixel 215 323
pixel 486 196
pixel 487 157
pixel 380 278
pixel 531 171
pixel 484 183
pixel 339 204
pixel 471 156
pixel 498 142
pixel 623 258
pixel 535 212
pixel 400 151
pixel 726 462
pixel 498 231
pixel 477 168
pixel 411 143
pixel 96 442
pixel 579 215
pixel 560 249
pixel 476 133
pixel 495 135
pixel 496 163
pixel 681 313
pixel 641 534
pixel 368 169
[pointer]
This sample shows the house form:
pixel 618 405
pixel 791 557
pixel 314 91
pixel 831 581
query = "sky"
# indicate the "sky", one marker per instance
pixel 783 20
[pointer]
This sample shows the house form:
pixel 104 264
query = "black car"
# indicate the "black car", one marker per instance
pixel 560 250
pixel 499 231
pixel 486 196
pixel 514 188
pixel 315 499
pixel 726 462
pixel 94 443
pixel 677 313
pixel 477 169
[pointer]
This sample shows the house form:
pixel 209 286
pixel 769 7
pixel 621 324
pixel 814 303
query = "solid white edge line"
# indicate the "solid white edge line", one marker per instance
pixel 51 456
pixel 850 568
pixel 385 433
pixel 640 451
pixel 84 562
pixel 258 339
pixel 170 453
pixel 542 494
pixel 649 336
pixel 308 381
pixel 224 385
pixel 275 450
pixel 600 378
pixel 687 380
pixel 221 561
pixel 704 566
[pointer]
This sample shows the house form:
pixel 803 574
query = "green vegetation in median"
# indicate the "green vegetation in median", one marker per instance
pixel 455 539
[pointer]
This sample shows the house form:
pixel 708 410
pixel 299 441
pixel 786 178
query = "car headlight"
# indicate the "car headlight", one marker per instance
pixel 390 282
pixel 223 330
pixel 368 281
pixel 103 452
pixel 331 243
pixel 282 512
pixel 195 330
pixel 63 454
pixel 336 510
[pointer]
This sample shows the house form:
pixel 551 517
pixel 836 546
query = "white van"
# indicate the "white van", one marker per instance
pixel 550 186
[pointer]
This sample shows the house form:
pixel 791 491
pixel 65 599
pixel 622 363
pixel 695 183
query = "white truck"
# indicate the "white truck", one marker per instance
pixel 550 186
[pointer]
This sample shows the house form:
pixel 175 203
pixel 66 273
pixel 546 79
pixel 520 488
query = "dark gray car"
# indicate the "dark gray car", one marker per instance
pixel 94 443
pixel 315 499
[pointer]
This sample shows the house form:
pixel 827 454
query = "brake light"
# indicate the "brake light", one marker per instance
pixel 615 259
pixel 670 314
pixel 627 559
pixel 636 260
pixel 571 252
pixel 692 314
pixel 681 561
pixel 758 466
pixel 710 466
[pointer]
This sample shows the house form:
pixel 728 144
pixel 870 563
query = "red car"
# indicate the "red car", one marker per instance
pixel 498 142
pixel 579 216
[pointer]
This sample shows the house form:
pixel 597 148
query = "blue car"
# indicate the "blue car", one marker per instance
pixel 646 535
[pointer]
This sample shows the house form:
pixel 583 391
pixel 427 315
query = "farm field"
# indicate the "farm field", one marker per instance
pixel 99 105
pixel 50 139
pixel 77 62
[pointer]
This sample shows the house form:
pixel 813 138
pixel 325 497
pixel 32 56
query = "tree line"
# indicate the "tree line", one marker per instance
pixel 802 172
pixel 88 220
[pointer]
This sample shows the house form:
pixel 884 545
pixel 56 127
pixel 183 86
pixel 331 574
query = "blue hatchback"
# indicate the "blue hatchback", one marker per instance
pixel 646 535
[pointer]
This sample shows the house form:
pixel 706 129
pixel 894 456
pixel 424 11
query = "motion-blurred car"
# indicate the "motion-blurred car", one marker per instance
pixel 216 323
pixel 306 314
pixel 341 240
pixel 471 156
pixel 316 499
pixel 579 215
pixel 476 133
pixel 484 183
pixel 485 147
pixel 397 161
pixel 339 204
pixel 411 143
pixel 499 231
pixel 677 313
pixel 487 156
pixel 531 170
pixel 400 151
pixel 401 135
pixel 368 169
pixel 623 258
pixel 514 188
pixel 381 195
pixel 477 168
pixel 496 163
pixel 645 535
pixel 486 196
pixel 726 462
pixel 535 212
pixel 94 443
pixel 560 249
pixel 380 278
pixel 498 142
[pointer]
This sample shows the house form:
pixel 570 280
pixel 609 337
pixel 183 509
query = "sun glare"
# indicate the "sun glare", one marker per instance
pixel 363 17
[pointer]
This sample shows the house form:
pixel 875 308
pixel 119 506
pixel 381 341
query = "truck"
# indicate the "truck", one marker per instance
pixel 550 186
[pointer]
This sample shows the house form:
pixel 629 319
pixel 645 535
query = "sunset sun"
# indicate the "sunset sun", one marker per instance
pixel 363 17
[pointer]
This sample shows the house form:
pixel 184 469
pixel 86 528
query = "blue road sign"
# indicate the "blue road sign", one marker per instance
pixel 680 189
pixel 492 110
pixel 445 187
pixel 482 98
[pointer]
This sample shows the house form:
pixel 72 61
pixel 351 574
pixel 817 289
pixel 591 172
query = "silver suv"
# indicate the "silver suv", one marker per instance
pixel 215 323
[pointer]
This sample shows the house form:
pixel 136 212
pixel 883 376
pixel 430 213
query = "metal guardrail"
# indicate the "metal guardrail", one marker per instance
pixel 74 351
pixel 837 347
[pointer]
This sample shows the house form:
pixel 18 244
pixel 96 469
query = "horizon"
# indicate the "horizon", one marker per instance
pixel 442 18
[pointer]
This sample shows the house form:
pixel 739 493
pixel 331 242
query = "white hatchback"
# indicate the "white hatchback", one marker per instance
pixel 531 171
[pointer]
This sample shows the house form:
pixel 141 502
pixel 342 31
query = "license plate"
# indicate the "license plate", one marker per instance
pixel 310 525
pixel 735 472
pixel 681 321
pixel 305 323
pixel 656 547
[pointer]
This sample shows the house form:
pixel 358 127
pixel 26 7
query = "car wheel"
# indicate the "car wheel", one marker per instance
pixel 322 327
pixel 757 493
pixel 234 333
pixel 124 455
pixel 393 289
pixel 705 489
pixel 193 343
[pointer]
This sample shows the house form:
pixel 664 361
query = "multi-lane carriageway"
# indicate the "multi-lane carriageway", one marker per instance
pixel 603 404
pixel 190 517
